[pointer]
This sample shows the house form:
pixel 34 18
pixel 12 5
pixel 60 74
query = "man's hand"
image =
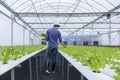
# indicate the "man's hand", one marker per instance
pixel 62 43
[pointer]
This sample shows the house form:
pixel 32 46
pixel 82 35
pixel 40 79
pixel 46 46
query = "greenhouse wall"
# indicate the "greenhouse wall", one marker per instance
pixel 17 34
pixel 115 39
pixel 5 30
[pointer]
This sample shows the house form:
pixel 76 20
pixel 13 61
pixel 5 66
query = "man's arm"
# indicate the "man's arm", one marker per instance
pixel 60 39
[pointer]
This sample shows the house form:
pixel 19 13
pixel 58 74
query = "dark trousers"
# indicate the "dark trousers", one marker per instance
pixel 51 57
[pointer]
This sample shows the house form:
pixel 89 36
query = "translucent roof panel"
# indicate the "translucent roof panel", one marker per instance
pixel 61 5
pixel 73 15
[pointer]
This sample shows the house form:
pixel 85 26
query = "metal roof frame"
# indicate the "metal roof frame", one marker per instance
pixel 31 14
pixel 98 15
pixel 92 22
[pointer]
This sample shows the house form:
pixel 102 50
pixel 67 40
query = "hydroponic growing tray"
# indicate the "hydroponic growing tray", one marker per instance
pixel 11 64
pixel 84 70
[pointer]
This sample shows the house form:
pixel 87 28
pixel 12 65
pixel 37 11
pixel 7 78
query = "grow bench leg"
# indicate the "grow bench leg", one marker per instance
pixel 30 66
pixel 37 66
pixel 82 77
pixel 59 61
pixel 62 67
pixel 12 74
pixel 40 60
pixel 68 70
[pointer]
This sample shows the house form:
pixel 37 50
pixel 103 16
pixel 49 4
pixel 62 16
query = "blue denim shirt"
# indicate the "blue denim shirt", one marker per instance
pixel 52 36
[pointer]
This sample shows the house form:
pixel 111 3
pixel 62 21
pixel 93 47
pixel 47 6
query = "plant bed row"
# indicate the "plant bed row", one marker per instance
pixel 14 52
pixel 96 58
pixel 11 63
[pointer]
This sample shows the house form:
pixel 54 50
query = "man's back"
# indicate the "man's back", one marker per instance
pixel 52 37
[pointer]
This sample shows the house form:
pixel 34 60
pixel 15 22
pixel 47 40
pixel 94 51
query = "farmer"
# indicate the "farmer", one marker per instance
pixel 52 36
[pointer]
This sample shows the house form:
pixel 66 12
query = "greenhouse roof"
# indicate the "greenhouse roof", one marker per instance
pixel 73 15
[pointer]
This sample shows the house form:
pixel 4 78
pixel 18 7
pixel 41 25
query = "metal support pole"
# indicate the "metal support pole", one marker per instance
pixel 60 64
pixel 82 35
pixel 69 39
pixel 12 21
pixel 12 74
pixel 109 17
pixel 37 67
pixel 77 38
pixel 34 39
pixel 23 36
pixel 82 77
pixel 100 39
pixel 59 61
pixel 119 37
pixel 92 34
pixel 68 70
pixel 39 41
pixel 29 38
pixel 110 32
pixel 62 67
pixel 30 66
pixel 83 31
pixel 40 62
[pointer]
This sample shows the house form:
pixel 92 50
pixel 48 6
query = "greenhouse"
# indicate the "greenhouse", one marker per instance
pixel 89 31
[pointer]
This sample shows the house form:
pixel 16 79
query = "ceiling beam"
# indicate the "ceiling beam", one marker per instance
pixel 33 14
pixel 79 31
pixel 76 28
pixel 73 23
